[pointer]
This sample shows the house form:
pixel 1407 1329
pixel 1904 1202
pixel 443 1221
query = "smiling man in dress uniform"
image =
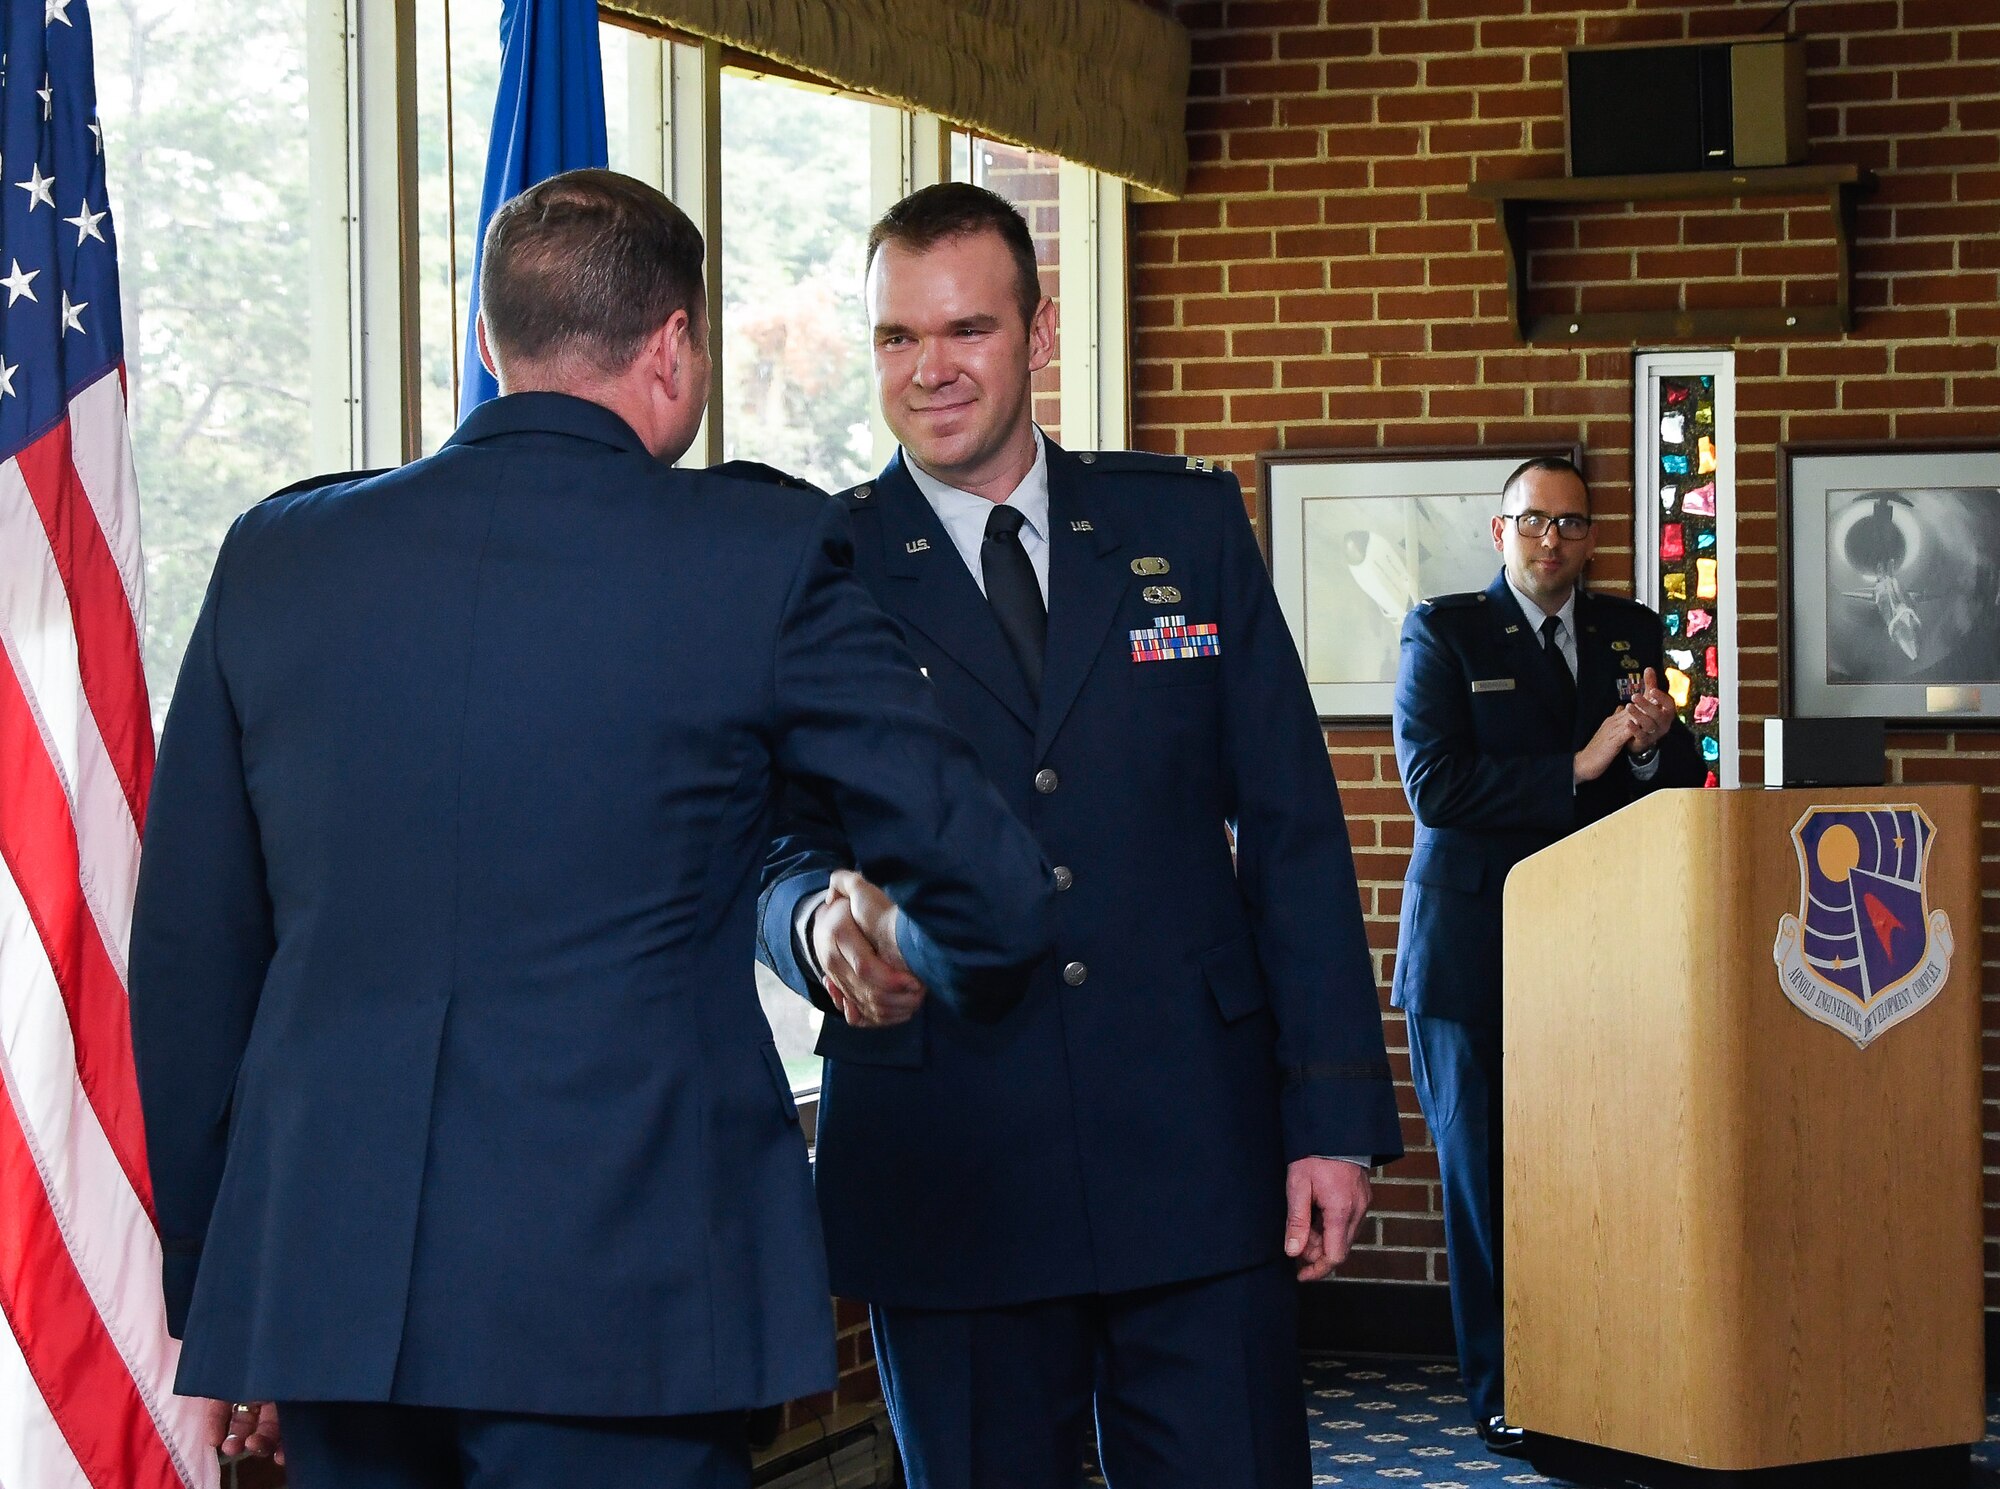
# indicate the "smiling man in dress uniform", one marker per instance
pixel 1096 1208
pixel 1523 712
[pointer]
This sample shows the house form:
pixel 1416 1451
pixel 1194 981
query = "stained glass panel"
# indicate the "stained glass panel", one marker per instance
pixel 1690 598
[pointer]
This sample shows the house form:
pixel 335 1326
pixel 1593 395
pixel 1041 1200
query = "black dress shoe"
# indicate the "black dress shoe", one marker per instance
pixel 1502 1437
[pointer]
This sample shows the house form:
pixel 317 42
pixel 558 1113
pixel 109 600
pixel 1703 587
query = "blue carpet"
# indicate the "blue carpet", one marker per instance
pixel 1402 1424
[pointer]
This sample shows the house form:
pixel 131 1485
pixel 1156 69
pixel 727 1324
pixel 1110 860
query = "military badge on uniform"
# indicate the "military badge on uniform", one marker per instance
pixel 919 545
pixel 1160 594
pixel 1170 638
pixel 1865 951
pixel 1081 526
pixel 1149 566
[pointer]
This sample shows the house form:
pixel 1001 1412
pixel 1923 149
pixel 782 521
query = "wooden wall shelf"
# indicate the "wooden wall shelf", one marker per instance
pixel 1515 201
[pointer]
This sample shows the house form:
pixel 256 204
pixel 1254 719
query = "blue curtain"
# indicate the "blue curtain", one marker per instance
pixel 548 118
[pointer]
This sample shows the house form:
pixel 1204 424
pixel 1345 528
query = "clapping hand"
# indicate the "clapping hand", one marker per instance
pixel 854 938
pixel 1652 714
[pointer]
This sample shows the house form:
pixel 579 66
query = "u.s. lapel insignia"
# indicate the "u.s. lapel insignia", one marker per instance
pixel 918 545
pixel 1146 567
pixel 1512 629
pixel 1081 527
pixel 1161 594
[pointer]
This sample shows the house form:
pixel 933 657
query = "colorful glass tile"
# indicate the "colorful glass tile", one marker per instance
pixel 1681 657
pixel 1699 502
pixel 1673 622
pixel 1706 462
pixel 1704 578
pixel 1711 748
pixel 1676 586
pixel 1699 620
pixel 1704 541
pixel 1674 465
pixel 1679 686
pixel 1673 428
pixel 1673 542
pixel 1668 496
pixel 1706 708
pixel 1714 670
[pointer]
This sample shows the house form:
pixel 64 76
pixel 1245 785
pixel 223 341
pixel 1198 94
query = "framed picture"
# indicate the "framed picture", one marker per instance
pixel 1355 538
pixel 1891 572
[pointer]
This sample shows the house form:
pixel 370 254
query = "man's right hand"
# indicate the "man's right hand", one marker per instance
pixel 1606 745
pixel 854 938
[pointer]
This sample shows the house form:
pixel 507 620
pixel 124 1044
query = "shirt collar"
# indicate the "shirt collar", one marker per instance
pixel 1533 613
pixel 1030 498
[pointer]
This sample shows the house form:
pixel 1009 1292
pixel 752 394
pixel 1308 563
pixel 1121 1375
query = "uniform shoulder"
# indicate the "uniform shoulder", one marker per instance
pixel 1146 463
pixel 1466 601
pixel 768 475
pixel 1620 610
pixel 326 482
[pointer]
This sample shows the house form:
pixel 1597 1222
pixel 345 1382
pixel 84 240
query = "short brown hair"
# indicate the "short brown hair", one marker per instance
pixel 1561 464
pixel 588 263
pixel 957 209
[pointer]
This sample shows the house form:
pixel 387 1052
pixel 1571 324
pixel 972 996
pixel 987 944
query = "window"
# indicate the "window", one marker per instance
pixel 1032 181
pixel 203 105
pixel 458 79
pixel 795 214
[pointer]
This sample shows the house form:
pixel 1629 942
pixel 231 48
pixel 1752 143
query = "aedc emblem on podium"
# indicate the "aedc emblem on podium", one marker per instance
pixel 1865 950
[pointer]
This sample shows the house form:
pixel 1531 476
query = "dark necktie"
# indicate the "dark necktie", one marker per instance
pixel 1014 594
pixel 1558 663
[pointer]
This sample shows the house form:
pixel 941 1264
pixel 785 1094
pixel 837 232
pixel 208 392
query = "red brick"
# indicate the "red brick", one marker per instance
pixel 1822 361
pixel 1270 211
pixel 1275 77
pixel 1478 403
pixel 1573 268
pixel 1335 109
pixel 1406 40
pixel 1274 144
pixel 1179 279
pixel 1288 342
pixel 1327 372
pixel 1394 173
pixel 1323 242
pixel 1328 41
pixel 1387 143
pixel 1898 120
pixel 1235 373
pixel 1483 269
pixel 1427 107
pixel 1380 339
pixel 1209 248
pixel 1209 115
pixel 1375 207
pixel 1500 36
pixel 1375 273
pixel 1327 309
pixel 1945 289
pixel 1949 149
pixel 1969 356
pixel 1603 30
pixel 1894 393
pixel 1321 175
pixel 1474 139
pixel 1738 227
pixel 1229 310
pixel 1286 408
pixel 1374 76
pixel 1425 305
pixel 1520 103
pixel 1173 346
pixel 1481 69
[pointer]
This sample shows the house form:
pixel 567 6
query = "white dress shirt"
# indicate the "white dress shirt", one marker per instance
pixel 1565 639
pixel 964 515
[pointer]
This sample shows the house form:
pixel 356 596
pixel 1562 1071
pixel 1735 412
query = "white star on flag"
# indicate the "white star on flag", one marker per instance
pixel 7 378
pixel 19 283
pixel 37 186
pixel 85 222
pixel 57 10
pixel 47 95
pixel 72 315
pixel 96 134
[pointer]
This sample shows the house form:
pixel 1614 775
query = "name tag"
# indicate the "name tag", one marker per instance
pixel 1493 685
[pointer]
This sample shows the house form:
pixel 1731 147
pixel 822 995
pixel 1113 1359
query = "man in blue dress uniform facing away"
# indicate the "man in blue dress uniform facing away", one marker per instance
pixel 1523 712
pixel 1093 1210
pixel 470 1143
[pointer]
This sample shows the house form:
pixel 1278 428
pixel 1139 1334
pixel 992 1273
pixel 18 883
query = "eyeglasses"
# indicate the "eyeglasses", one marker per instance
pixel 1531 524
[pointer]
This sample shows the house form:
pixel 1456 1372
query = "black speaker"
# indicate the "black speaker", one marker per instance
pixel 1825 752
pixel 1641 110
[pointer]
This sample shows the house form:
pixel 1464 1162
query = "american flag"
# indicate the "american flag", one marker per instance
pixel 86 1364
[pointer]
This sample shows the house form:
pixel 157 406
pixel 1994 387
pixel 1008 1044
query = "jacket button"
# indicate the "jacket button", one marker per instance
pixel 1088 458
pixel 1046 781
pixel 861 493
pixel 1064 878
pixel 1075 973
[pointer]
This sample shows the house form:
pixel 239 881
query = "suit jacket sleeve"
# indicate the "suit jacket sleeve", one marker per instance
pixel 858 729
pixel 1450 783
pixel 806 847
pixel 202 937
pixel 1295 868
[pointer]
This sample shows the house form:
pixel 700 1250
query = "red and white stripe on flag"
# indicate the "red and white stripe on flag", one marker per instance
pixel 86 1364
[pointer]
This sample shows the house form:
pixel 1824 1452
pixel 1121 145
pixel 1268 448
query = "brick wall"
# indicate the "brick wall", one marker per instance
pixel 1326 282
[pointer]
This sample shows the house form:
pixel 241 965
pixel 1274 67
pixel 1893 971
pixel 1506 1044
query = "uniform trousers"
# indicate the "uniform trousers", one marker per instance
pixel 346 1445
pixel 1456 1069
pixel 1193 1385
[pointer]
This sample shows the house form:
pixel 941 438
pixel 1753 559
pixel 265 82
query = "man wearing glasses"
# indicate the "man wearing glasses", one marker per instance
pixel 1523 712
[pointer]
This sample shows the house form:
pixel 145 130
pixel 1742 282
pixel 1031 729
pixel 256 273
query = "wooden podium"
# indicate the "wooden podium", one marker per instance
pixel 1736 1237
